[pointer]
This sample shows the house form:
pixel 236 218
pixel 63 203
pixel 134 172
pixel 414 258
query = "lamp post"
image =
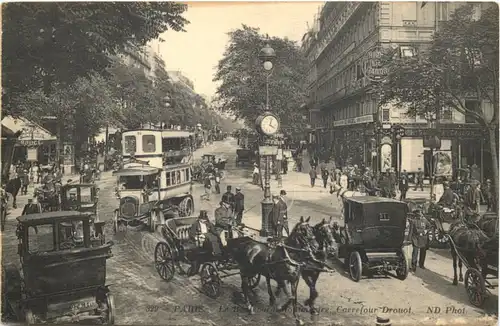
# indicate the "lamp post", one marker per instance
pixel 266 56
pixel 399 132
pixel 435 143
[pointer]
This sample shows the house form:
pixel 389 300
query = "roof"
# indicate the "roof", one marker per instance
pixel 136 171
pixel 31 130
pixel 49 217
pixel 373 199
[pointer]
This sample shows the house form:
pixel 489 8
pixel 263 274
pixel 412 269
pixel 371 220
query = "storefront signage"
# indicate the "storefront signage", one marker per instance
pixel 363 119
pixel 32 154
pixel 372 64
pixel 385 157
pixel 30 142
pixel 268 150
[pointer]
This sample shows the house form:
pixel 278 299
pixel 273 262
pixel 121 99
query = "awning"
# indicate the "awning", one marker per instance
pixel 136 172
pixel 32 133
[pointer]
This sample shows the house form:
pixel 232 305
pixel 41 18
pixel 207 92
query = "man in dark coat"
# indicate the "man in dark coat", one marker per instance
pixel 239 205
pixel 370 185
pixel 488 194
pixel 32 207
pixel 228 198
pixel 202 231
pixel 448 197
pixel 324 176
pixel 280 215
pixel 419 179
pixel 472 199
pixel 313 175
pixel 419 236
pixel 403 185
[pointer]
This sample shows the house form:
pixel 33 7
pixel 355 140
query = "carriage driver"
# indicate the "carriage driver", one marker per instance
pixel 203 233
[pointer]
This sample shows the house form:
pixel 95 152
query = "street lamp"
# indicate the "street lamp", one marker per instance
pixel 266 56
pixel 434 142
pixel 399 132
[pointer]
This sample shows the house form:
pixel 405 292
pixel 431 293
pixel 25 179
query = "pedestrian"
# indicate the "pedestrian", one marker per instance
pixel 313 175
pixel 472 199
pixel 488 194
pixel 217 181
pixel 419 236
pixel 419 179
pixel 284 164
pixel 280 215
pixel 256 175
pixel 32 207
pixel 392 182
pixel 228 198
pixel 239 205
pixel 324 176
pixel 403 185
pixel 207 186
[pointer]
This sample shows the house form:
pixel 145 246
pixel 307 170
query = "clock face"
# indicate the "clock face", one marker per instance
pixel 269 125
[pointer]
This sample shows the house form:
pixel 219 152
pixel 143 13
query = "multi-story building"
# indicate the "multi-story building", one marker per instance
pixel 349 121
pixel 178 77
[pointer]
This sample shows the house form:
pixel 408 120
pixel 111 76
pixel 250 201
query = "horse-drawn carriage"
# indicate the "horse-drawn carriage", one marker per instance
pixel 372 237
pixel 177 249
pixel 245 156
pixel 208 165
pixel 63 273
pixel 49 197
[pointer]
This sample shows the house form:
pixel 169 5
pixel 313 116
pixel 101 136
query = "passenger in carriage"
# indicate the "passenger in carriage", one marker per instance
pixel 448 198
pixel 203 232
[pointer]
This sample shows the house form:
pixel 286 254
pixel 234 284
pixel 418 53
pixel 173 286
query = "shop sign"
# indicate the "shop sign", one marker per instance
pixel 385 157
pixel 372 64
pixel 32 154
pixel 268 150
pixel 30 142
pixel 363 119
pixel 443 164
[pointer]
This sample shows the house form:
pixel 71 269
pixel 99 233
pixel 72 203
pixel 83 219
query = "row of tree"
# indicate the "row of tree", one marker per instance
pixel 242 78
pixel 460 63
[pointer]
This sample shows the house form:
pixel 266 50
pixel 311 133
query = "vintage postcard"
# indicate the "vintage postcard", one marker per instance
pixel 250 163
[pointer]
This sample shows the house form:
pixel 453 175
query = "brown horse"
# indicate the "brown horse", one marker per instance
pixel 280 261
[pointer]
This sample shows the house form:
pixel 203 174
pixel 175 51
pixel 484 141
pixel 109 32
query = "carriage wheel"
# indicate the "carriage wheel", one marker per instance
pixel 164 261
pixel 110 303
pixel 210 280
pixel 475 286
pixel 402 270
pixel 355 266
pixel 115 222
pixel 153 217
pixel 254 281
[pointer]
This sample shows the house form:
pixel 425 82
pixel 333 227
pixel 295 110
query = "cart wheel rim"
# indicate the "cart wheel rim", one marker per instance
pixel 474 285
pixel 164 262
pixel 354 268
pixel 152 221
pixel 110 301
pixel 210 280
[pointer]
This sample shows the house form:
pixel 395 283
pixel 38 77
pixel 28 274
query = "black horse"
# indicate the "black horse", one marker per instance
pixel 13 186
pixel 313 267
pixel 280 261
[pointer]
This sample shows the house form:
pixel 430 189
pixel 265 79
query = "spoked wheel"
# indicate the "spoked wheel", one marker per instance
pixel 402 270
pixel 210 280
pixel 115 222
pixel 164 261
pixel 153 218
pixel 254 281
pixel 475 286
pixel 355 266
pixel 110 302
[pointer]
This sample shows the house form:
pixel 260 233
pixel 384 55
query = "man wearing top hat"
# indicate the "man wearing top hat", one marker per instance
pixel 280 214
pixel 239 205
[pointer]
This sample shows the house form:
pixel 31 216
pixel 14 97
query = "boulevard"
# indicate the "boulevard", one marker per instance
pixel 143 298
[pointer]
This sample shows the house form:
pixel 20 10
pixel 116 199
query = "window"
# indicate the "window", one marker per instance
pixel 131 182
pixel 442 11
pixel 406 52
pixel 447 114
pixel 187 175
pixel 169 179
pixel 148 143
pixel 41 238
pixel 130 144
pixel 474 106
pixel 178 177
pixel 386 115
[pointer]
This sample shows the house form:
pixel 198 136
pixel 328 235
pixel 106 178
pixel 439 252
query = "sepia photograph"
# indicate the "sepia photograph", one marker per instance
pixel 250 163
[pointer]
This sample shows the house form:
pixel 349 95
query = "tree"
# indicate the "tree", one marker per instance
pixel 48 44
pixel 242 78
pixel 461 61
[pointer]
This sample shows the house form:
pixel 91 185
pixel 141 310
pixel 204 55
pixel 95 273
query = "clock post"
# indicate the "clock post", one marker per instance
pixel 267 125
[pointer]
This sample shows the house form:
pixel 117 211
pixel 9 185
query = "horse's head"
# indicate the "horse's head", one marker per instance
pixel 324 232
pixel 302 235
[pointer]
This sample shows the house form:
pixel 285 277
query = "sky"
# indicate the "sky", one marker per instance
pixel 197 51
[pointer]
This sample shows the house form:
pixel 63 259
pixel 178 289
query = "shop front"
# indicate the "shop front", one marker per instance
pixel 35 144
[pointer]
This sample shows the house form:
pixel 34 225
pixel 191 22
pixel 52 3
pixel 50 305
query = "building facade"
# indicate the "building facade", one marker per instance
pixel 349 122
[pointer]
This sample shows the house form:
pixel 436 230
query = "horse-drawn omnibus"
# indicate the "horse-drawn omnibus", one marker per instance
pixel 155 177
